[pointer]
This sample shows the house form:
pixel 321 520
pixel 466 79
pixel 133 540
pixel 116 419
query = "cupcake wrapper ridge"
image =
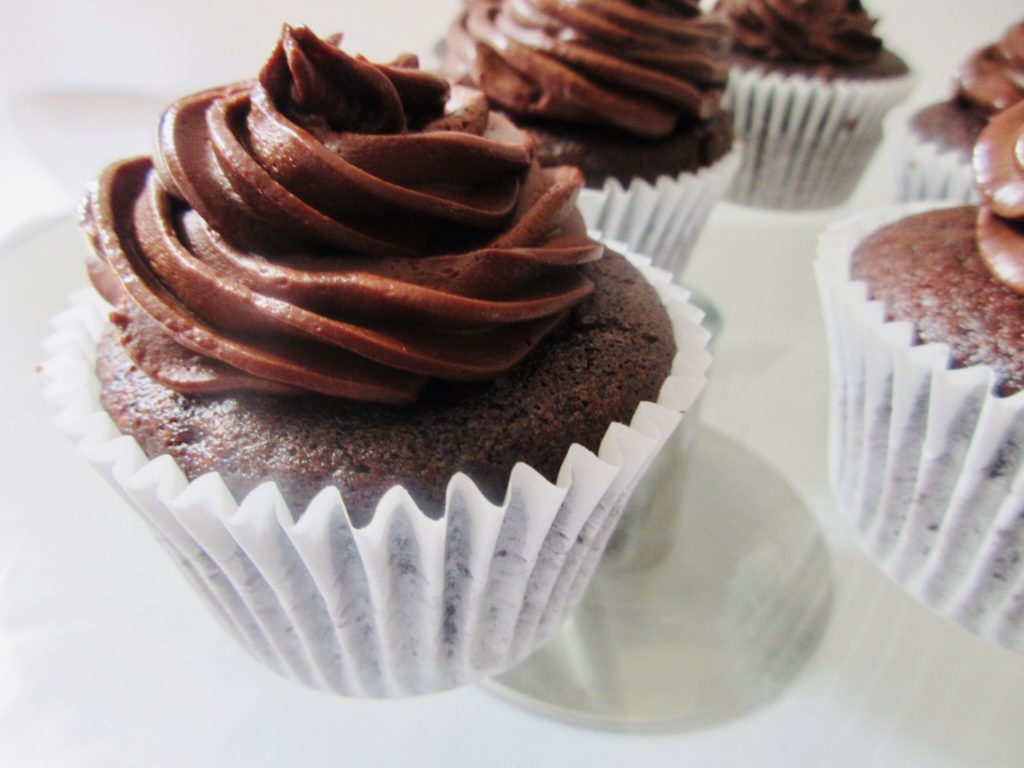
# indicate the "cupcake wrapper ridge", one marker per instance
pixel 926 463
pixel 661 220
pixel 806 140
pixel 925 172
pixel 407 604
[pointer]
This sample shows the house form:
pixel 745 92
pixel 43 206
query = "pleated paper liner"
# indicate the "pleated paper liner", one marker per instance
pixel 661 220
pixel 407 604
pixel 925 172
pixel 926 463
pixel 806 140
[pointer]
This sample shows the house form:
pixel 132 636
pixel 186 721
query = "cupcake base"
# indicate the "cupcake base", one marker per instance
pixel 612 352
pixel 409 603
pixel 925 460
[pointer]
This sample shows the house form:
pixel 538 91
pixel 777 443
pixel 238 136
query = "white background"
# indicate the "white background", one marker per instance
pixel 105 658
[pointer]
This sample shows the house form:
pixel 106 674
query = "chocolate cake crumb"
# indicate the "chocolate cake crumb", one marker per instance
pixel 926 270
pixel 615 350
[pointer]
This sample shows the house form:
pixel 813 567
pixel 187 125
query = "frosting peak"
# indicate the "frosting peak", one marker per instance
pixel 999 175
pixel 807 31
pixel 335 226
pixel 637 65
pixel 317 85
pixel 992 79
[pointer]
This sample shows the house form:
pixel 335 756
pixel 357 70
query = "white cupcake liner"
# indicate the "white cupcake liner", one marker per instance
pixel 806 140
pixel 662 220
pixel 926 463
pixel 924 171
pixel 408 604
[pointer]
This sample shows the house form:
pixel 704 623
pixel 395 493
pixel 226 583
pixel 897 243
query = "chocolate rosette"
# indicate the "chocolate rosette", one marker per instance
pixel 992 79
pixel 638 66
pixel 810 31
pixel 338 227
pixel 999 176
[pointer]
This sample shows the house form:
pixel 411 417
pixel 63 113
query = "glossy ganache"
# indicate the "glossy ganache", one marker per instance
pixel 806 31
pixel 637 65
pixel 337 227
pixel 999 176
pixel 992 78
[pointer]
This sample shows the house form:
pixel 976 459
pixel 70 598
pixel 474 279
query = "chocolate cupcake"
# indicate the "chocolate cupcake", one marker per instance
pixel 925 314
pixel 809 87
pixel 936 157
pixel 628 91
pixel 366 375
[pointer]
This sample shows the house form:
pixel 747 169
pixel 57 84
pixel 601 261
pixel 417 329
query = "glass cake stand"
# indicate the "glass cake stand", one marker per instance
pixel 713 593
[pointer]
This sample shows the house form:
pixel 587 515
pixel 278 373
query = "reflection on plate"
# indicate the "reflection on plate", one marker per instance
pixel 717 625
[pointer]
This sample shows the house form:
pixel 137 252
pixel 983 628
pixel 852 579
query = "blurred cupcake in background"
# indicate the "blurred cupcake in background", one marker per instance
pixel 924 307
pixel 935 162
pixel 630 92
pixel 810 85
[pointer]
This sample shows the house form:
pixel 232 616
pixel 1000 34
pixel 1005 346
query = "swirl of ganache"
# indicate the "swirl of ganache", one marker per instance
pixel 992 78
pixel 804 31
pixel 999 176
pixel 637 65
pixel 337 227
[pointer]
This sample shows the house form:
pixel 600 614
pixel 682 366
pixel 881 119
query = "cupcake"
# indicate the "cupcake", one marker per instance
pixel 936 163
pixel 925 314
pixel 628 91
pixel 809 87
pixel 365 374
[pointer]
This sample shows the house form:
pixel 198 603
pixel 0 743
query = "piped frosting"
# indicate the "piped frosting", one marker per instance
pixel 335 226
pixel 638 65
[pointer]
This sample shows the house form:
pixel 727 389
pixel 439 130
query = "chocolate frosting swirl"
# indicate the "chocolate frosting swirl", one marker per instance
pixel 335 226
pixel 637 65
pixel 999 175
pixel 992 79
pixel 806 31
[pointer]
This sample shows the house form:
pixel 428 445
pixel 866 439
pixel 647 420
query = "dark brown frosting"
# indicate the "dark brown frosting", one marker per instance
pixel 992 79
pixel 637 65
pixel 338 227
pixel 999 176
pixel 807 31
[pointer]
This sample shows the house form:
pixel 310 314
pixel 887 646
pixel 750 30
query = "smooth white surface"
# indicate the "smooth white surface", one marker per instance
pixel 107 659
